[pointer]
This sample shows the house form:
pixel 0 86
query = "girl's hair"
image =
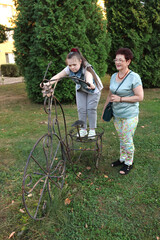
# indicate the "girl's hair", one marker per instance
pixel 126 52
pixel 75 52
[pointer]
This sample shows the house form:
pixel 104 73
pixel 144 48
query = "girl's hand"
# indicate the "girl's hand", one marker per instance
pixel 92 86
pixel 46 84
pixel 115 98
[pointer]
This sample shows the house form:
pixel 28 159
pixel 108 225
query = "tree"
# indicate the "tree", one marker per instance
pixel 150 71
pixel 135 24
pixel 128 27
pixel 46 30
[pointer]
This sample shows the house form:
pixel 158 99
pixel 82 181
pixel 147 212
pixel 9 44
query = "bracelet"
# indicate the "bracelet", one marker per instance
pixel 120 99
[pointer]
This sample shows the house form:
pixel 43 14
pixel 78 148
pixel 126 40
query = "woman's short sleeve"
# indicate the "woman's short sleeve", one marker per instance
pixel 136 81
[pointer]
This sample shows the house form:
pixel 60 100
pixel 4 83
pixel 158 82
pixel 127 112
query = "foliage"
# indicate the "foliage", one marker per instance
pixel 150 62
pixel 3 36
pixel 47 30
pixel 10 70
pixel 133 24
pixel 3 33
pixel 106 206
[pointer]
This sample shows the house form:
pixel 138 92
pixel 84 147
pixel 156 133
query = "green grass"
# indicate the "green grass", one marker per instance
pixel 107 206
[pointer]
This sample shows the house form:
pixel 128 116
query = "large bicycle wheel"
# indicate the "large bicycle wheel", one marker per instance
pixel 43 175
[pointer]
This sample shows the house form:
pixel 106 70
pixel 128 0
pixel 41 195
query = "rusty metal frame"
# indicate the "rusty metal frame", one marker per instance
pixel 50 172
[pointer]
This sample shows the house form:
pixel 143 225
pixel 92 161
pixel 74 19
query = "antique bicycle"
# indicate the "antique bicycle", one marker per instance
pixel 45 169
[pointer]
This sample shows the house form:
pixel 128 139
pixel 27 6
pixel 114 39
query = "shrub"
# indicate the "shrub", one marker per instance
pixel 10 70
pixel 46 31
pixel 135 24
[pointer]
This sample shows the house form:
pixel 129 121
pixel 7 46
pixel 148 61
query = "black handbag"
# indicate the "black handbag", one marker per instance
pixel 108 112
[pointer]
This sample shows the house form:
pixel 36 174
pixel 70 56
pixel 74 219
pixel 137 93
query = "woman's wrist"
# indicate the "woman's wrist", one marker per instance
pixel 120 99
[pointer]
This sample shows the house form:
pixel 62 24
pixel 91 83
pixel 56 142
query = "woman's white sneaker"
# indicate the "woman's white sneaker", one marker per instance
pixel 92 134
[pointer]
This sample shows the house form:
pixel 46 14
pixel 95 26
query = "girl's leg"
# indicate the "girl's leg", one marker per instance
pixel 92 104
pixel 126 129
pixel 81 100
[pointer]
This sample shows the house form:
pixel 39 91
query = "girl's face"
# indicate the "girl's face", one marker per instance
pixel 74 64
pixel 121 63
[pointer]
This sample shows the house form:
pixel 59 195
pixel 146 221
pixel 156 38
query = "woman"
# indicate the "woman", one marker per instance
pixel 125 106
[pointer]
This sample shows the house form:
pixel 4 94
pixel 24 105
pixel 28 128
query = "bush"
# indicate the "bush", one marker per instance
pixel 46 31
pixel 10 70
pixel 135 24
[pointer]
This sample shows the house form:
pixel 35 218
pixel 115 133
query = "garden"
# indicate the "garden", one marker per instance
pixel 105 206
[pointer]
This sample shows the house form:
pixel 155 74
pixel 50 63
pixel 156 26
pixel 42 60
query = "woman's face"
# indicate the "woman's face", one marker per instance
pixel 121 63
pixel 74 64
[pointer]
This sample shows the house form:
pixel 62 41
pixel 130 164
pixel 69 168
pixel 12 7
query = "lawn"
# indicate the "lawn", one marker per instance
pixel 106 206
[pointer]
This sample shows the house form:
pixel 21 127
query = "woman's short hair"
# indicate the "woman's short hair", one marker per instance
pixel 126 52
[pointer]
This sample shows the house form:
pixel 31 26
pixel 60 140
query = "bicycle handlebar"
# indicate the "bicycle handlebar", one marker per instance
pixel 73 78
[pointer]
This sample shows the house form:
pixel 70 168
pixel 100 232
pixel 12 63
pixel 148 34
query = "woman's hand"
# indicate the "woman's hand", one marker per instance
pixel 115 98
pixel 137 97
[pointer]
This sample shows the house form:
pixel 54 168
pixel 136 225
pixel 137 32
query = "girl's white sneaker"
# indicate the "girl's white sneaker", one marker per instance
pixel 82 132
pixel 92 134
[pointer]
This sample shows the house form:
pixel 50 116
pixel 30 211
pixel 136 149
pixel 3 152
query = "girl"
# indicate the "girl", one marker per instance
pixel 87 98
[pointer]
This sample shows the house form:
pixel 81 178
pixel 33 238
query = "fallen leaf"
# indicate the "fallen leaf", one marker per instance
pixel 79 174
pixel 40 191
pixel 86 226
pixel 142 126
pixel 158 238
pixel 67 201
pixel 88 168
pixel 43 122
pixel 11 235
pixel 29 195
pixel 21 210
pixel 105 176
pixel 102 226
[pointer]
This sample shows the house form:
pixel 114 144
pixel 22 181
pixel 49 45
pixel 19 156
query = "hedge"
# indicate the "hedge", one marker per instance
pixel 10 70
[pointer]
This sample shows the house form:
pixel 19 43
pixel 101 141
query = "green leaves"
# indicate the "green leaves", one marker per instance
pixel 134 24
pixel 46 30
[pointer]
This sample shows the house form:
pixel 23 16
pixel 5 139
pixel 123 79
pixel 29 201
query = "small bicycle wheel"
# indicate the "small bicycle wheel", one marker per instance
pixel 44 173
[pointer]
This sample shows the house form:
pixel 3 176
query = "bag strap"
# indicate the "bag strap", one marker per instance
pixel 122 81
pixel 90 69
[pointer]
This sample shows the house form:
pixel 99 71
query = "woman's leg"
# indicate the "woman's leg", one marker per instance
pixel 126 129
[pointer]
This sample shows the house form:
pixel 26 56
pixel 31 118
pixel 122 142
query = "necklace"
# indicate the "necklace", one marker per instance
pixel 123 76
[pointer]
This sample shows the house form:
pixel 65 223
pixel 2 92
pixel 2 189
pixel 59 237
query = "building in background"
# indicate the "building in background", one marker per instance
pixel 7 11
